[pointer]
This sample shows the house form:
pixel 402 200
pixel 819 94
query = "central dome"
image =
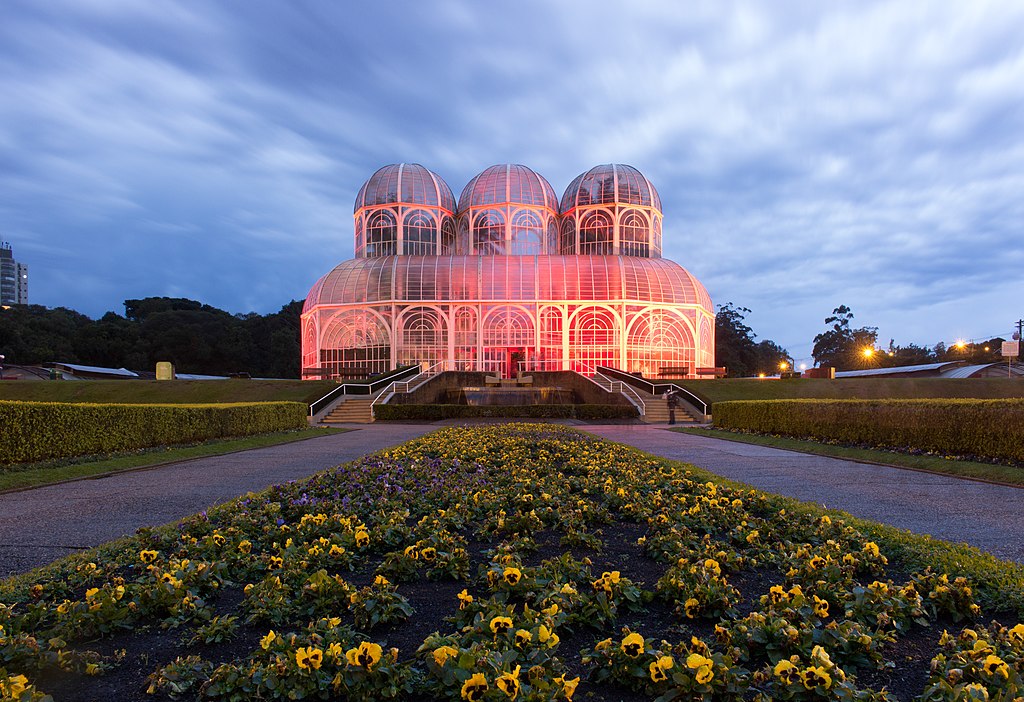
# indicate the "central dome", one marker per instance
pixel 508 209
pixel 508 183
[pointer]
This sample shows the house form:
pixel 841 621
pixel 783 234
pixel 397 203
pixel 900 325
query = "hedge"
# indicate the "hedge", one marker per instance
pixel 37 431
pixel 437 412
pixel 983 428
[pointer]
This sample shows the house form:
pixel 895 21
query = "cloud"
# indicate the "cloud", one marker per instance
pixel 807 155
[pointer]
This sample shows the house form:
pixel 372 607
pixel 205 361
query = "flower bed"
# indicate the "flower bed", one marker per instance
pixel 517 562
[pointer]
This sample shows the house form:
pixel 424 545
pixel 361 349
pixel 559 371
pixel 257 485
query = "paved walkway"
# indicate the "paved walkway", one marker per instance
pixel 38 526
pixel 988 516
pixel 41 525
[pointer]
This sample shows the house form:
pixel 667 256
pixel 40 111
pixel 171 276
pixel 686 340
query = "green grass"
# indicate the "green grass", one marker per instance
pixel 852 388
pixel 170 392
pixel 933 464
pixel 39 474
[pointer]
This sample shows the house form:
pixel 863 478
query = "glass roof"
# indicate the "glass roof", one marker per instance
pixel 405 182
pixel 509 182
pixel 610 183
pixel 508 278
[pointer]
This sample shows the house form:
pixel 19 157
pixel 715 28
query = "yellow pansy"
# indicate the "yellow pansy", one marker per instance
pixel 443 653
pixel 473 689
pixel 633 645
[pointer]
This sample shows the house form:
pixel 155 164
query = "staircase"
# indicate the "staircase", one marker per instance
pixel 656 410
pixel 351 410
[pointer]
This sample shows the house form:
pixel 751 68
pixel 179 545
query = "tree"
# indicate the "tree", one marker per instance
pixel 841 346
pixel 736 349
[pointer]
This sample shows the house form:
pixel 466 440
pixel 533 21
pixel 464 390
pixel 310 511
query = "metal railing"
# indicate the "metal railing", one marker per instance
pixel 626 391
pixel 409 384
pixel 655 389
pixel 361 388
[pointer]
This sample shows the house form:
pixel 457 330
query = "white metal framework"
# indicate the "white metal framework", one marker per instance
pixel 503 302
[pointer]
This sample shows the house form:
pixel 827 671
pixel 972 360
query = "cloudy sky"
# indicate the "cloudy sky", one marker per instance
pixel 807 154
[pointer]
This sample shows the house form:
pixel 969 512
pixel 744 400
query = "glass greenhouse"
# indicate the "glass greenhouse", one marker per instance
pixel 509 279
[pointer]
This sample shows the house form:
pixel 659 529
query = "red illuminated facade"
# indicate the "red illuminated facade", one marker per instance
pixel 507 279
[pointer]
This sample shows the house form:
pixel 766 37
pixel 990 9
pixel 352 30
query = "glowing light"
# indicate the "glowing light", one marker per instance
pixel 760 375
pixel 803 366
pixel 783 366
pixel 868 352
pixel 960 344
pixel 986 348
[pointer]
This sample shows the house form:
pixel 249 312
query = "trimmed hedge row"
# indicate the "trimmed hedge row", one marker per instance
pixel 38 431
pixel 437 412
pixel 984 428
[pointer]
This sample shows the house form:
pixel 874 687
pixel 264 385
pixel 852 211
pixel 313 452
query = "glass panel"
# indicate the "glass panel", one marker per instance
pixel 381 234
pixel 489 233
pixel 420 233
pixel 527 234
pixel 596 233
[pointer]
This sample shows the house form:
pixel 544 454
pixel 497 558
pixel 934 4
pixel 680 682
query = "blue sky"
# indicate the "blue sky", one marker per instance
pixel 807 154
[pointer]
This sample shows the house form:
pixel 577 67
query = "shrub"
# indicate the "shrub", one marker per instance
pixel 437 412
pixel 983 428
pixel 37 431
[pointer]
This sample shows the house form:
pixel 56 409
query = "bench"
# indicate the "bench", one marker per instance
pixel 716 371
pixel 492 380
pixel 673 371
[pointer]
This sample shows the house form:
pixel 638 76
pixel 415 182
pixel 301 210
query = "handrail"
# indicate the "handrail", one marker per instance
pixel 628 392
pixel 392 389
pixel 363 388
pixel 656 388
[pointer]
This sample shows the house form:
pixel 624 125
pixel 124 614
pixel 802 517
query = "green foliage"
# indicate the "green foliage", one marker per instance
pixel 984 428
pixel 736 349
pixel 437 412
pixel 36 431
pixel 197 338
pixel 840 346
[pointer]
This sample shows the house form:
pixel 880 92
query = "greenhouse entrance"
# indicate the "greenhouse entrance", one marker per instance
pixel 513 357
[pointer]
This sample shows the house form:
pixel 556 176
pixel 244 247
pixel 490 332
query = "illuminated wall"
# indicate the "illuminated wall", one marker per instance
pixel 507 290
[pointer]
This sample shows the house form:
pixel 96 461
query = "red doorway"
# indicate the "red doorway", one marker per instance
pixel 513 357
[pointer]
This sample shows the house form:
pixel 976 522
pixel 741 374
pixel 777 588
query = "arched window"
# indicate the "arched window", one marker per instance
pixel 381 234
pixel 508 326
pixel 423 339
pixel 527 234
pixel 634 234
pixel 355 338
pixel 448 244
pixel 420 233
pixel 593 340
pixel 552 242
pixel 568 246
pixel 465 329
pixel 489 233
pixel 659 338
pixel 596 233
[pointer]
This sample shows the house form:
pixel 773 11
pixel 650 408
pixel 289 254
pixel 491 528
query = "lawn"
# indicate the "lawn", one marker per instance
pixel 517 562
pixel 169 392
pixel 852 388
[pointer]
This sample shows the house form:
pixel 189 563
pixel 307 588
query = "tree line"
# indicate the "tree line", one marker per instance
pixel 841 346
pixel 196 338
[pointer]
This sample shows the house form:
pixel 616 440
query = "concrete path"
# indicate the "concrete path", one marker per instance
pixel 990 517
pixel 41 525
pixel 38 526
